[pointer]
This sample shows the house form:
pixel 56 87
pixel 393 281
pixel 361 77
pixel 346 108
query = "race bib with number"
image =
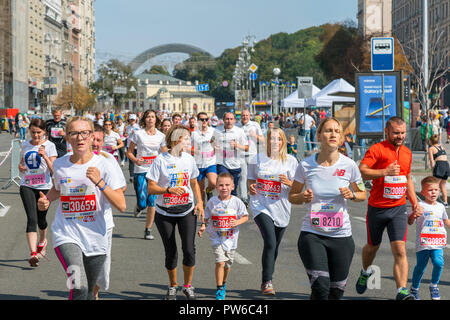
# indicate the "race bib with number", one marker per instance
pixel 433 234
pixel 55 132
pixel 207 154
pixel 269 186
pixel 326 216
pixel 148 159
pixel 78 201
pixel 34 177
pixel 394 187
pixel 221 219
pixel 108 149
pixel 171 200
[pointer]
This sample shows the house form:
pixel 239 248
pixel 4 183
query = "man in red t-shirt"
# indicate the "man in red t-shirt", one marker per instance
pixel 388 165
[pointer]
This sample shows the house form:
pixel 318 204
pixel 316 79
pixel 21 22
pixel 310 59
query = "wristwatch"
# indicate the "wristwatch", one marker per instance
pixel 167 190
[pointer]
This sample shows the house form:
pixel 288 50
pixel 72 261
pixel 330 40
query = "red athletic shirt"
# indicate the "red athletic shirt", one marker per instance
pixel 379 156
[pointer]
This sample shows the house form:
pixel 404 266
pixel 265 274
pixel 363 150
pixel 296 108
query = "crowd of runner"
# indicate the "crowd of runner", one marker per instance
pixel 176 165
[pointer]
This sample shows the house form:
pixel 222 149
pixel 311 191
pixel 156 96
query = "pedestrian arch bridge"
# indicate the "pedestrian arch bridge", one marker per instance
pixel 162 49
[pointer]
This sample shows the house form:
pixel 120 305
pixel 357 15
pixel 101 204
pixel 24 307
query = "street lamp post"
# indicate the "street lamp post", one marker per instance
pixel 276 72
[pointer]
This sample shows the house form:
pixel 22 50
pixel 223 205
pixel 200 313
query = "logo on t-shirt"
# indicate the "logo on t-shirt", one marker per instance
pixel 339 172
pixel 65 180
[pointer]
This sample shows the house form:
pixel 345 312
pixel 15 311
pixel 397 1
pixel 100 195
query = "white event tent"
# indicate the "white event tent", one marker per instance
pixel 325 97
pixel 293 101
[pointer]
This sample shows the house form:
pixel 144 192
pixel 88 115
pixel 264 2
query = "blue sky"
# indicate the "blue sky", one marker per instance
pixel 127 28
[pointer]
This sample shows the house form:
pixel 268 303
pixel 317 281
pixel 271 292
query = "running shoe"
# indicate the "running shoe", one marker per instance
pixel 209 195
pixel 434 293
pixel 42 248
pixel 189 292
pixel 267 288
pixel 361 284
pixel 148 235
pixel 34 260
pixel 220 294
pixel 404 295
pixel 171 293
pixel 137 212
pixel 415 293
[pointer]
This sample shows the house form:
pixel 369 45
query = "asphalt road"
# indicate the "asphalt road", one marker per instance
pixel 138 272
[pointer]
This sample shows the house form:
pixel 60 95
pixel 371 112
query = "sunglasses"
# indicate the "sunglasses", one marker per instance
pixel 203 119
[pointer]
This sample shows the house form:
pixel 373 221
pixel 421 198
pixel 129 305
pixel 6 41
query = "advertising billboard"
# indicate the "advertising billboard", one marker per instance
pixel 369 103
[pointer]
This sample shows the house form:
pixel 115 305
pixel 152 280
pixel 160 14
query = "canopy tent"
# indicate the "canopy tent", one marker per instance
pixel 293 101
pixel 325 97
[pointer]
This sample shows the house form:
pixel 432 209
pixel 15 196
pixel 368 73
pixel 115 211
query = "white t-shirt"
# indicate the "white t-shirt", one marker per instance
pixel 121 130
pixel 430 229
pixel 117 171
pixel 130 130
pixel 327 201
pixel 170 171
pixel 218 212
pixel 147 147
pixel 227 155
pixel 204 154
pixel 37 175
pixel 252 142
pixel 82 208
pixel 272 197
pixel 308 121
pixel 111 140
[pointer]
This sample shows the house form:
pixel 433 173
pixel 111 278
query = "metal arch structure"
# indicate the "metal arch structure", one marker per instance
pixel 162 49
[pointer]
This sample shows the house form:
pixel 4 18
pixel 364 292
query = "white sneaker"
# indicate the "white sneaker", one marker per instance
pixel 137 212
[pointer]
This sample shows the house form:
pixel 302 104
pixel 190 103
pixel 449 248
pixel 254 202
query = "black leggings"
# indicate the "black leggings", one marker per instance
pixel 187 226
pixel 35 217
pixel 272 236
pixel 327 262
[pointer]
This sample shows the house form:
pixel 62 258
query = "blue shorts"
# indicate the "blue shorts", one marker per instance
pixel 204 171
pixel 144 200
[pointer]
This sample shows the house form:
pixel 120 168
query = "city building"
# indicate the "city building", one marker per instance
pixel 36 58
pixel 53 49
pixel 407 26
pixel 162 92
pixel 86 14
pixel 14 54
pixel 374 17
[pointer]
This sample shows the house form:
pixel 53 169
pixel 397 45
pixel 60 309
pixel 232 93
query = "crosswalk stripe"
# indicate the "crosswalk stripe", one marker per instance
pixel 240 259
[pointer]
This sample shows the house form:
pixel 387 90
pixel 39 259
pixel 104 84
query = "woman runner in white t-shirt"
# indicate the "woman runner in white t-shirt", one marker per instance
pixel 36 163
pixel 325 245
pixel 173 178
pixel 270 176
pixel 86 186
pixel 113 142
pixel 148 142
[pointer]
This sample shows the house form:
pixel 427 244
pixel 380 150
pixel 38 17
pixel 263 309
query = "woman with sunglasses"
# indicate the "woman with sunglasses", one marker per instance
pixel 86 186
pixel 204 155
pixel 173 178
pixel 148 142
pixel 36 164
pixel 113 142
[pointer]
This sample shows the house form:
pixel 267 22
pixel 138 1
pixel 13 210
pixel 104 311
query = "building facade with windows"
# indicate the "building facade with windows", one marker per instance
pixel 407 26
pixel 162 92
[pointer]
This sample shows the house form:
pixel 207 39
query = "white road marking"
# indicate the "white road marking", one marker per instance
pixel 4 210
pixel 360 219
pixel 240 259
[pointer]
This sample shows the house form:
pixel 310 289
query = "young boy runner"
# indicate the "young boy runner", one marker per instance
pixel 226 212
pixel 431 237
